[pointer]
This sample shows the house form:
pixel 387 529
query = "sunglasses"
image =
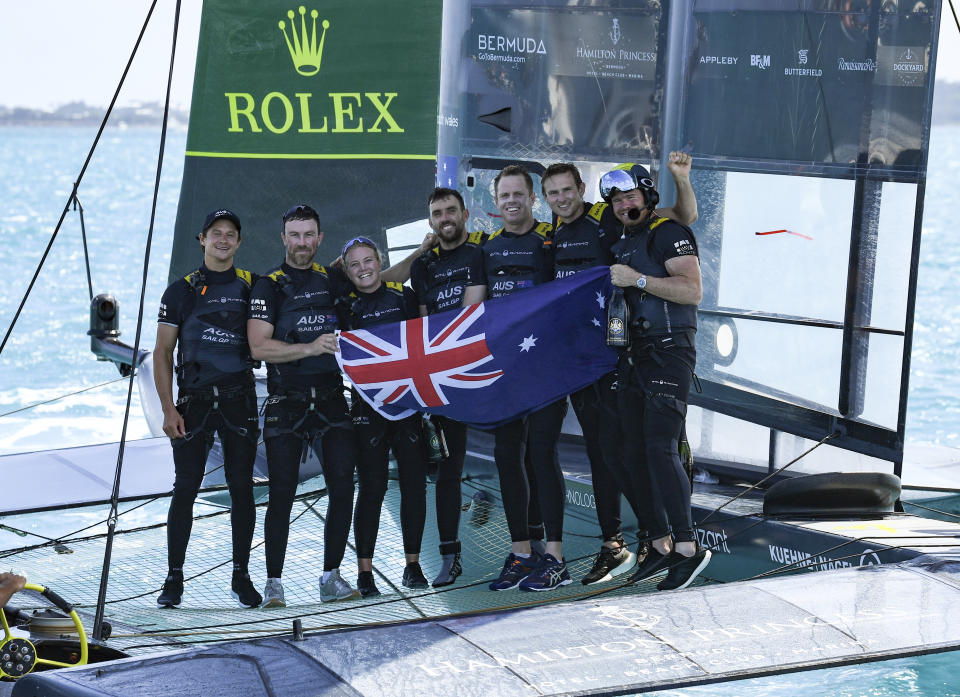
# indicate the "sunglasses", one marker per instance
pixel 359 241
pixel 622 180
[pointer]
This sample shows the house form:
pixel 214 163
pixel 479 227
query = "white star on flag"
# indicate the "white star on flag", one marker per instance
pixel 528 343
pixel 596 322
pixel 601 301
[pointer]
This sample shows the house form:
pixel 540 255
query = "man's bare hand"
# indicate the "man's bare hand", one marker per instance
pixel 173 424
pixel 623 276
pixel 10 583
pixel 325 343
pixel 429 242
pixel 679 164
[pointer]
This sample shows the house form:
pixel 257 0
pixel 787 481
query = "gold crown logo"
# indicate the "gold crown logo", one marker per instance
pixel 304 49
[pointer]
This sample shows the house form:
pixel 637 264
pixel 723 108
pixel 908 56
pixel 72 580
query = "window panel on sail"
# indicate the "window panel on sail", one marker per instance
pixel 785 244
pixel 891 283
pixel 825 458
pixel 716 436
pixel 803 75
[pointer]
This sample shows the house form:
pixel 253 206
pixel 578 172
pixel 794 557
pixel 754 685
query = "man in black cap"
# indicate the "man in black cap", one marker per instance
pixel 657 265
pixel 204 315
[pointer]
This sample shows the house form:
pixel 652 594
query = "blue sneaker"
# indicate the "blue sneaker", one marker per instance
pixel 515 569
pixel 550 574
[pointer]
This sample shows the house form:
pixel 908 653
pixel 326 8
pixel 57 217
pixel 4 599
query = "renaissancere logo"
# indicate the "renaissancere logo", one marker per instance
pixel 861 65
pixel 305 51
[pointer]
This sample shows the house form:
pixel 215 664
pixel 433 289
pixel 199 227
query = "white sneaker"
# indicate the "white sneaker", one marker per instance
pixel 336 588
pixel 273 594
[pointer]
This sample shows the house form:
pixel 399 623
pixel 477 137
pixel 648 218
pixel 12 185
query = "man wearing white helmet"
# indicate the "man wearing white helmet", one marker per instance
pixel 658 267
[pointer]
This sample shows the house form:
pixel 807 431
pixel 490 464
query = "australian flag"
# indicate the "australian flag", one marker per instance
pixel 489 363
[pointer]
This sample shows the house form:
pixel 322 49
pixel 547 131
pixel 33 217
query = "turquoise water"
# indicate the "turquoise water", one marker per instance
pixel 933 675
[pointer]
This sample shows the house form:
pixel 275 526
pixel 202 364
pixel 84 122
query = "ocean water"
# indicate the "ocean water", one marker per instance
pixel 48 355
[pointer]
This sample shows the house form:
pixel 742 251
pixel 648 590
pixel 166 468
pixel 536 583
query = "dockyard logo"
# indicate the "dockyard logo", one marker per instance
pixel 910 67
pixel 615 34
pixel 305 51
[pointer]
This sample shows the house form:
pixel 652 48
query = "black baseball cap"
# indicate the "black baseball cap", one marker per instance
pixel 221 214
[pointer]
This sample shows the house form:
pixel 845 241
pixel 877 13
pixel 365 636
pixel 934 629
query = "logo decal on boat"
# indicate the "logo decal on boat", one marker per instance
pixel 305 51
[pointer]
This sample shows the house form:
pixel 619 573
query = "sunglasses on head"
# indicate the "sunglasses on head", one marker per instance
pixel 359 241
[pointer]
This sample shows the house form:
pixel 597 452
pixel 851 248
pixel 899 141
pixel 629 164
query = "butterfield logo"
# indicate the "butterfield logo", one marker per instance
pixel 305 51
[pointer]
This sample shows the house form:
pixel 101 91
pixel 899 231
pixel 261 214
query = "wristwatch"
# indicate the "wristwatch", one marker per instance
pixel 642 282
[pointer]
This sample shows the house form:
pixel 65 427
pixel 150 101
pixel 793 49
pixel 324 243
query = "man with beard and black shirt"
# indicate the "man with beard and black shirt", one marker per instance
pixel 658 267
pixel 291 326
pixel 584 235
pixel 204 316
pixel 449 276
pixel 373 301
pixel 517 257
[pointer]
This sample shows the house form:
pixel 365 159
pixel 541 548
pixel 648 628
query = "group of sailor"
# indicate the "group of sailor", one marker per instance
pixel 221 319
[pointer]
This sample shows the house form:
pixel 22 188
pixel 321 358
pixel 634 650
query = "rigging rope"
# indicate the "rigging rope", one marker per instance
pixel 62 396
pixel 83 234
pixel 772 474
pixel 83 169
pixel 112 520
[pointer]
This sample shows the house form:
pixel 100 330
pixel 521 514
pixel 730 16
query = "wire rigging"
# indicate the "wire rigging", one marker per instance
pixel 115 495
pixel 76 185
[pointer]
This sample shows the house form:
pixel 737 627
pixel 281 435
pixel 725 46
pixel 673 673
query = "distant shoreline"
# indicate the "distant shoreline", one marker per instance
pixel 81 114
pixel 946 102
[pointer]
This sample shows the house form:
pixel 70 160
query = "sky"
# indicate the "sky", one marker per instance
pixel 75 50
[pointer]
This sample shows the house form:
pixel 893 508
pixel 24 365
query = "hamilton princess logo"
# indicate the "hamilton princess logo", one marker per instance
pixel 305 51
pixel 615 33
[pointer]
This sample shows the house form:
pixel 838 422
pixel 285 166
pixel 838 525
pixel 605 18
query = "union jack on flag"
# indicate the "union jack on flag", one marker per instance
pixel 487 364
pixel 431 353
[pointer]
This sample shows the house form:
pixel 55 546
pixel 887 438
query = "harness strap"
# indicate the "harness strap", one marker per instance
pixel 309 435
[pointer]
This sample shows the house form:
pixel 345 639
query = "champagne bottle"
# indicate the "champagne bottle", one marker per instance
pixel 618 320
pixel 436 443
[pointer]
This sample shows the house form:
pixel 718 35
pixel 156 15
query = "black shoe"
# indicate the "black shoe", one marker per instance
pixel 684 569
pixel 449 570
pixel 366 585
pixel 652 564
pixel 413 576
pixel 481 509
pixel 242 590
pixel 610 563
pixel 172 592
